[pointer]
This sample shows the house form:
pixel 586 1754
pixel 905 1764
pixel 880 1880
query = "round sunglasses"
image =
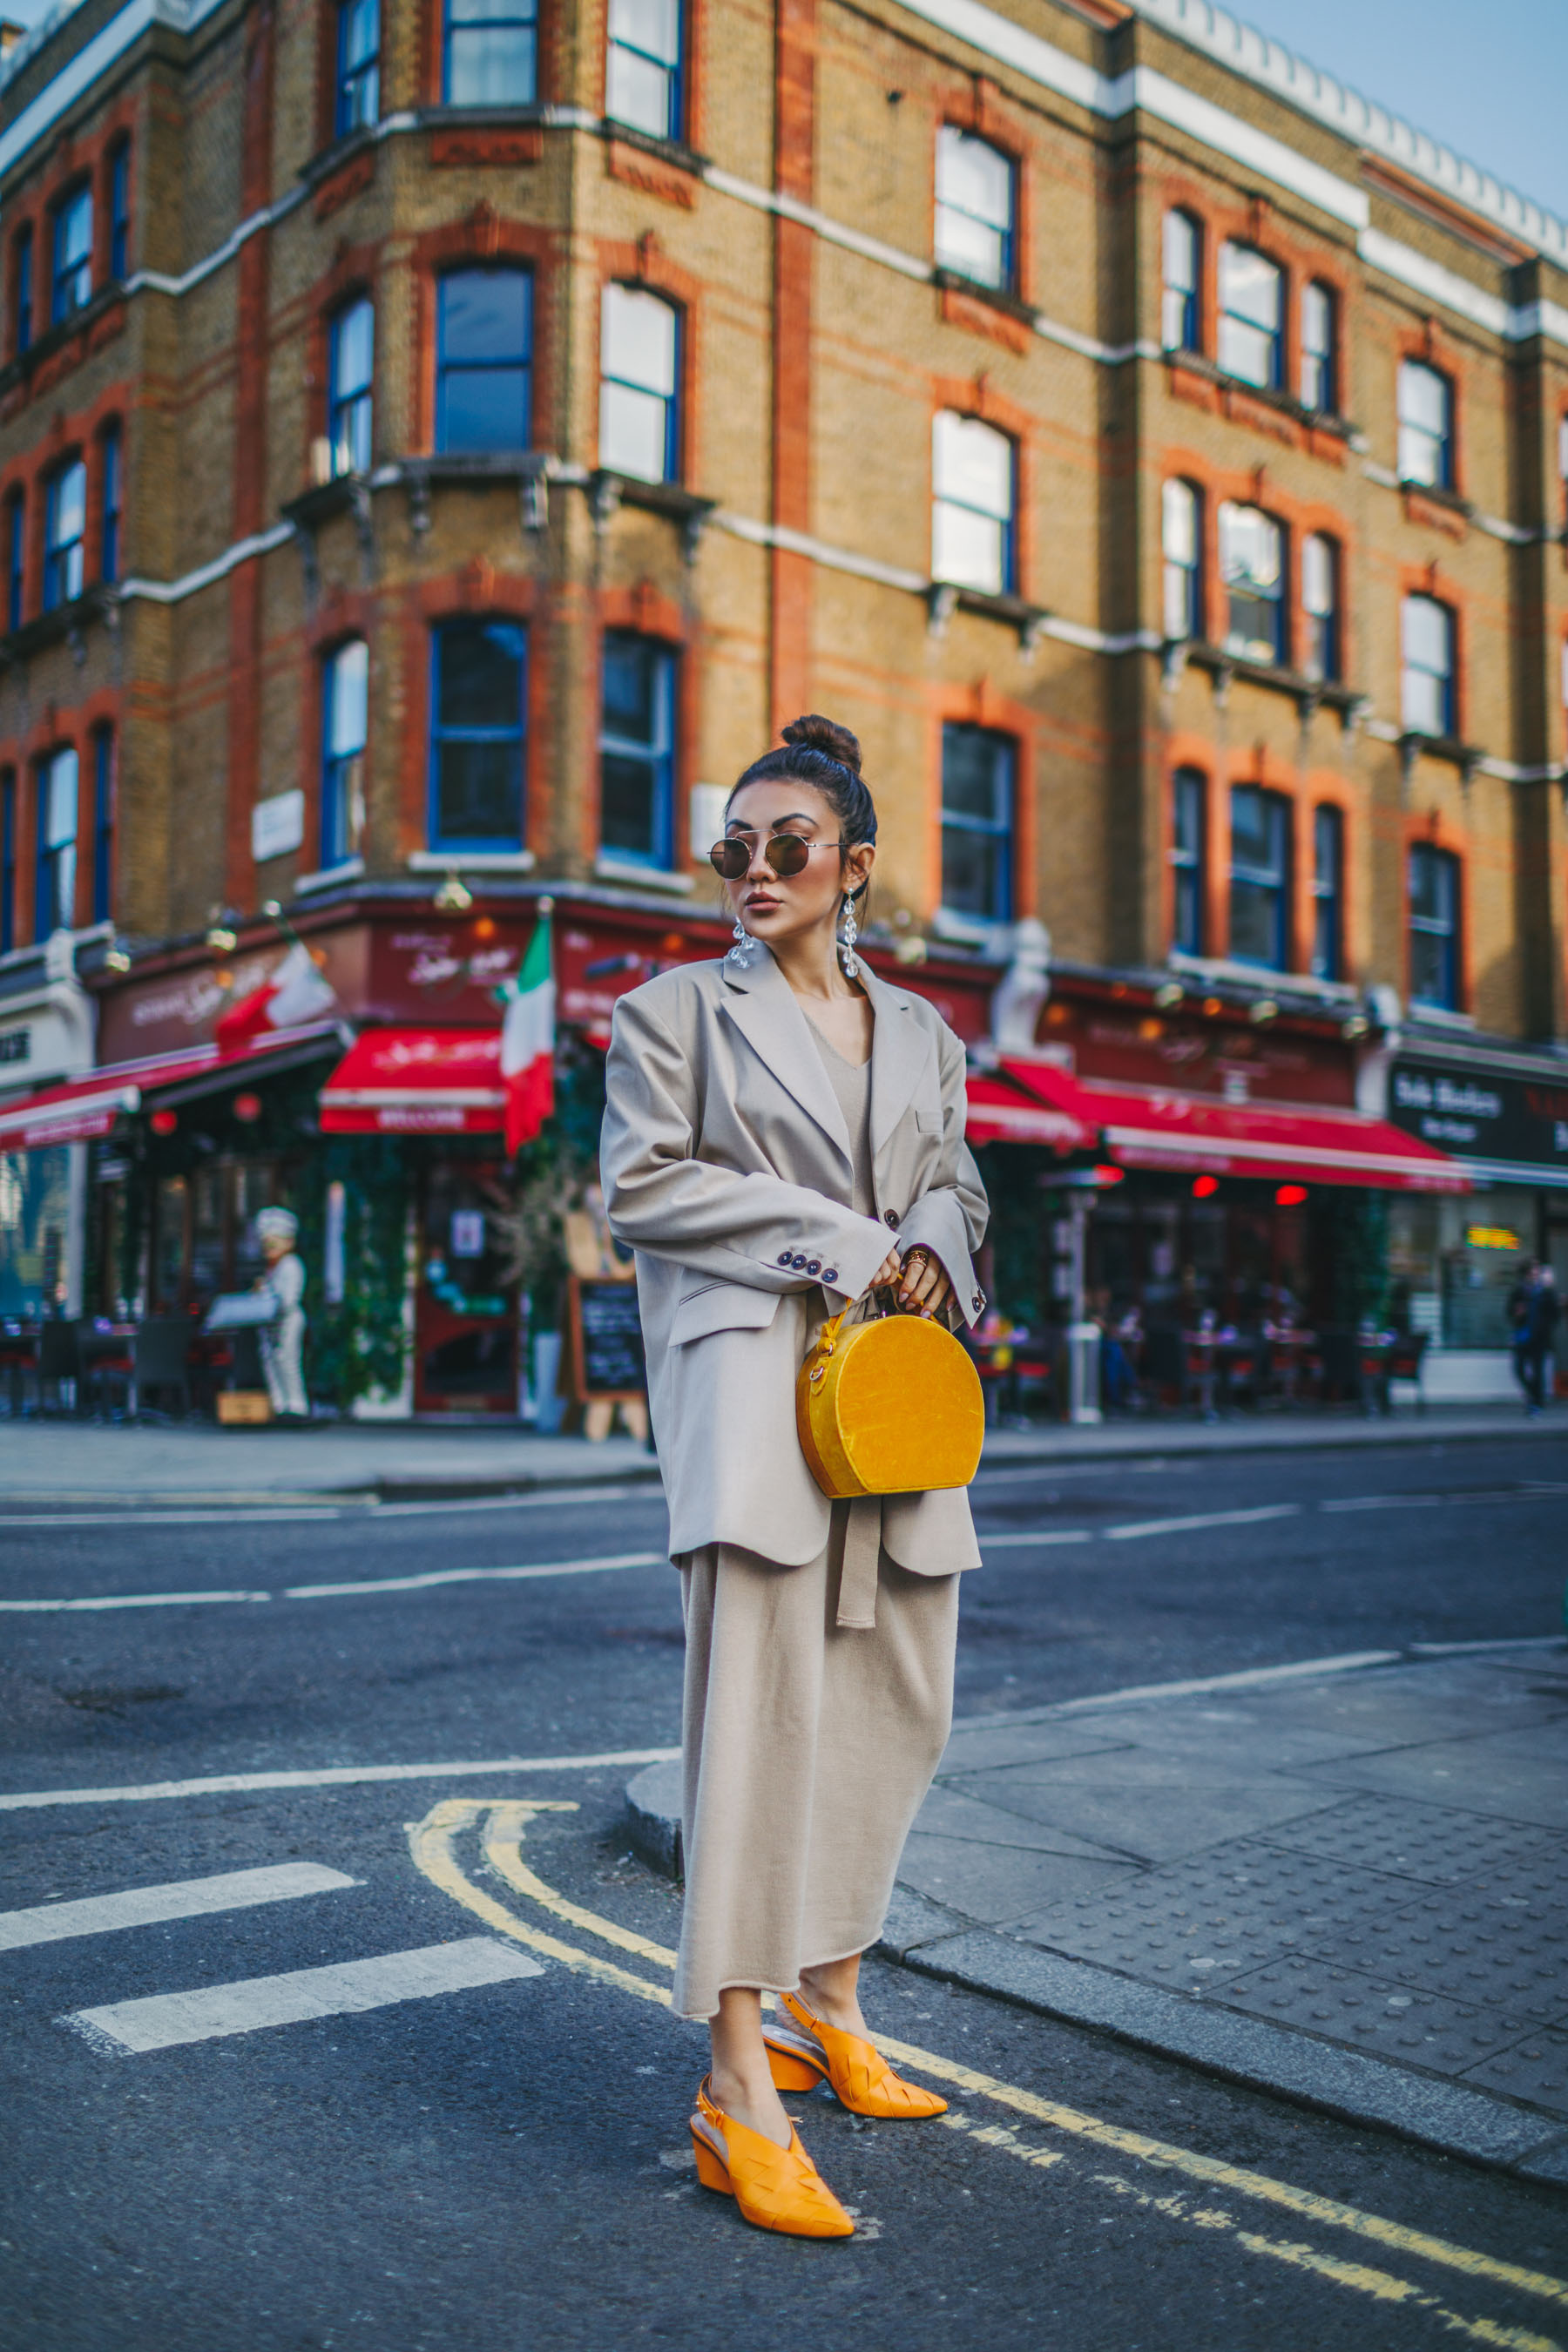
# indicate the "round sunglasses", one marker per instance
pixel 787 853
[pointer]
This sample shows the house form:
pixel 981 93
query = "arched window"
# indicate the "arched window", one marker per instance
pixel 357 100
pixel 22 290
pixel 491 53
pixel 478 713
pixel 1425 426
pixel 1321 605
pixel 1319 387
pixel 7 860
pixel 1189 859
pixel 54 900
pixel 73 254
pixel 643 67
pixel 1183 258
pixel 1259 876
pixel 1252 567
pixel 1181 526
pixel 639 421
pixel 120 211
pixel 1426 699
pixel 15 560
pixel 1251 317
pixel 351 382
pixel 112 478
pixel 104 785
pixel 484 360
pixel 346 716
pixel 637 750
pixel 974 480
pixel 64 534
pixel 1433 885
pixel 1328 893
pixel 976 206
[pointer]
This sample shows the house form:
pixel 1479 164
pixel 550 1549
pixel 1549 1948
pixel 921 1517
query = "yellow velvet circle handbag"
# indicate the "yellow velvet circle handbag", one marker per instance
pixel 887 1405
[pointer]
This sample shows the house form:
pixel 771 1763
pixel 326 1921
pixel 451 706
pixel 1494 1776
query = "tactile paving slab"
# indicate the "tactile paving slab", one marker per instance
pixel 1534 2069
pixel 1207 1919
pixel 1503 1942
pixel 1411 2029
pixel 1434 1843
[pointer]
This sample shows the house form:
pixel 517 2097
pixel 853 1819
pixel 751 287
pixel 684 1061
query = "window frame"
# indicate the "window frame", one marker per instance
pixel 1244 648
pixel 660 760
pixel 111 499
pixel 1006 234
pixel 1322 651
pixel 1237 320
pixel 1324 360
pixel 437 842
pixel 350 113
pixel 120 211
pixel 672 401
pixel 674 71
pixel 447 367
pixel 1001 830
pixel 1189 861
pixel 65 560
pixel 1273 880
pixel 1174 570
pixel 22 289
pixel 1190 336
pixel 1442 441
pixel 357 405
pixel 16 558
pixel 1448 679
pixel 339 826
pixel 104 810
pixel 70 282
pixel 48 891
pixel 7 860
pixel 1006 525
pixel 1444 862
pixel 454 31
pixel 1327 891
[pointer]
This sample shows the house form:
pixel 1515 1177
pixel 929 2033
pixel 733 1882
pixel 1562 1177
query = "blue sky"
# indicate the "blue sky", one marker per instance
pixel 1490 81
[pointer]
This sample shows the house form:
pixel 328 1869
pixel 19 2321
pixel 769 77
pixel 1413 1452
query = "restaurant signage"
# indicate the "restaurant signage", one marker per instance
pixel 1490 1114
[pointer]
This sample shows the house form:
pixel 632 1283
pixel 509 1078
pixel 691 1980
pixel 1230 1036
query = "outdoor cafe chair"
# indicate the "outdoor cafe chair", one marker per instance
pixel 160 1355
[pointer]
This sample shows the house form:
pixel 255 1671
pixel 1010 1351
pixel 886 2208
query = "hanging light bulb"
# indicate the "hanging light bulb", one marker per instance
pixel 454 896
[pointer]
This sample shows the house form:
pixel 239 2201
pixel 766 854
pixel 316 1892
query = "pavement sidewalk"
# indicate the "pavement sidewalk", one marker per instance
pixel 62 1462
pixel 1347 1886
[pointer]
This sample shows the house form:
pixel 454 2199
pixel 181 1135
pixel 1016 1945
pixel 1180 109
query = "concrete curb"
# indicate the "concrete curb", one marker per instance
pixel 1428 2108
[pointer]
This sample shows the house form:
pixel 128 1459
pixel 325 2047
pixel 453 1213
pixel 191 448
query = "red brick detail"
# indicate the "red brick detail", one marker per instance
pixel 349 180
pixel 650 174
pixel 1187 384
pixel 245 603
pixel 1434 514
pixel 985 319
pixel 795 101
pixel 1242 409
pixel 1329 446
pixel 481 143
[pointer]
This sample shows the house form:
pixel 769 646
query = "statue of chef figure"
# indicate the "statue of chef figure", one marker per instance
pixel 283 1339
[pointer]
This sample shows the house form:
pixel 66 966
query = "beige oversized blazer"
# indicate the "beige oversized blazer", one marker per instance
pixel 726 1167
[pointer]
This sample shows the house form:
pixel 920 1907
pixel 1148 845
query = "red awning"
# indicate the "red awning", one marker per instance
pixel 89 1105
pixel 416 1082
pixel 1001 1112
pixel 1144 1127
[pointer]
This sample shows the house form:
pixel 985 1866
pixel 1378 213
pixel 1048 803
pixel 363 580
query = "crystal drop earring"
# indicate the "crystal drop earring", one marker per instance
pixel 741 953
pixel 851 933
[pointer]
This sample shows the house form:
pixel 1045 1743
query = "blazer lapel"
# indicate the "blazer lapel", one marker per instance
pixel 899 1051
pixel 762 1006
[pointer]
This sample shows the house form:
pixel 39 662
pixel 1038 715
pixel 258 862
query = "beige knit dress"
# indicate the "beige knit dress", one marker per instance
pixel 809 1736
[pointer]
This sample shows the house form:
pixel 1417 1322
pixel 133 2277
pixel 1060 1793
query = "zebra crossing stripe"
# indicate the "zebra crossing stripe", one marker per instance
pixel 163 2020
pixel 143 1906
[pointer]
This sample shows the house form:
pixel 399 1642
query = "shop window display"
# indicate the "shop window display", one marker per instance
pixel 1453 1263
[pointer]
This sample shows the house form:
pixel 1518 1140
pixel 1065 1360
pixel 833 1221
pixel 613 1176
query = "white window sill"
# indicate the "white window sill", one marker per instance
pixel 349 871
pixel 1440 1016
pixel 969 930
pixel 471 861
pixel 1262 976
pixel 645 877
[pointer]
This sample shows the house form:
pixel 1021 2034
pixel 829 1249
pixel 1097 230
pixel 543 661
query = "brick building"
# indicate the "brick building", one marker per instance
pixel 440 443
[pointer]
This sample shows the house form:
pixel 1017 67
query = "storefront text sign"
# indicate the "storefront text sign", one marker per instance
pixel 1483 1114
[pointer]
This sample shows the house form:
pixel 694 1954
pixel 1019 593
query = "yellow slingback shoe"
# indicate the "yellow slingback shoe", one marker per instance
pixel 812 2051
pixel 775 2188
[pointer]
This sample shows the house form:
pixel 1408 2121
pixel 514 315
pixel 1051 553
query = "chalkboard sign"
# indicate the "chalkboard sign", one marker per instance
pixel 606 1340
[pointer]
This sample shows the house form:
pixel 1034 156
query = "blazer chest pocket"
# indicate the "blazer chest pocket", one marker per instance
pixel 929 1121
pixel 721 1307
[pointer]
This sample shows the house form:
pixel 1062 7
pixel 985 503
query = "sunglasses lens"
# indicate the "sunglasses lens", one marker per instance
pixel 787 853
pixel 730 858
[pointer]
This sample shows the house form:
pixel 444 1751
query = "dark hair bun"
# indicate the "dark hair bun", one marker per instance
pixel 814 733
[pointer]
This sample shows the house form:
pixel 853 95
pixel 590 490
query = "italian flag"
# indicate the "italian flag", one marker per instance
pixel 295 994
pixel 527 1042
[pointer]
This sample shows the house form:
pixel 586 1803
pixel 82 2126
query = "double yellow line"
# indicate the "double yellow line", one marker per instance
pixel 503 1825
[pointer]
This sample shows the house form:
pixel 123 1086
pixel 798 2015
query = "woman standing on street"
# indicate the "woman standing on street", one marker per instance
pixel 774 1122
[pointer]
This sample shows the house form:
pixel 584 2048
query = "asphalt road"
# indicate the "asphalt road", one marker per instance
pixel 504 2162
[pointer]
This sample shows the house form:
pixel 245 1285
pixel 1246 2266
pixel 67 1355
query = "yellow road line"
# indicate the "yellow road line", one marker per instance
pixel 430 1842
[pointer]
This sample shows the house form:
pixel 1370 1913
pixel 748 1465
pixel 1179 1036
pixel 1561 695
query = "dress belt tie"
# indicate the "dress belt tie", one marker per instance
pixel 859 1565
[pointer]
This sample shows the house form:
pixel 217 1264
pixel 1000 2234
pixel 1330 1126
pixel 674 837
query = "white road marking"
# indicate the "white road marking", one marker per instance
pixel 359 1507
pixel 129 1601
pixel 475 1575
pixel 1382 1502
pixel 1031 1542
pixel 130 1516
pixel 1514 1641
pixel 165 2019
pixel 337 1776
pixel 1200 1519
pixel 1351 1663
pixel 145 1907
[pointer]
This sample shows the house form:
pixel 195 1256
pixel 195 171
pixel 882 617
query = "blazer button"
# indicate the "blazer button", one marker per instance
pixel 784 1258
pixel 798 1263
pixel 890 1217
pixel 815 1266
pixel 830 1274
pixel 979 1300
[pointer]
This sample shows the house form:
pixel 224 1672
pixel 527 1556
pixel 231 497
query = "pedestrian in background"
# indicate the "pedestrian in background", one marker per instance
pixel 774 1122
pixel 283 1338
pixel 1535 1308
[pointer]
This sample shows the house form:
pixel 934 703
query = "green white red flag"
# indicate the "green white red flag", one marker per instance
pixel 527 1042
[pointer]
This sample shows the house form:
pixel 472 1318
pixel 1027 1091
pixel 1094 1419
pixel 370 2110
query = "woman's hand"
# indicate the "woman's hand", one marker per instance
pixel 923 1286
pixel 888 1272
